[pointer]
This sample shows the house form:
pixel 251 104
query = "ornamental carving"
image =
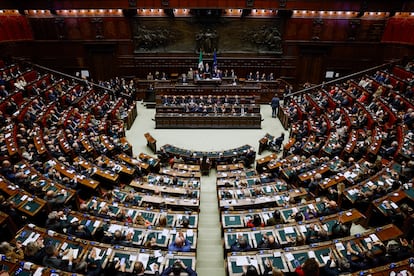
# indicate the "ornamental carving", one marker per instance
pixel 267 38
pixel 207 41
pixel 146 39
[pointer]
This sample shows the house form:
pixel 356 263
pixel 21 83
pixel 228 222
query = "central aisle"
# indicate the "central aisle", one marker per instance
pixel 209 247
pixel 210 259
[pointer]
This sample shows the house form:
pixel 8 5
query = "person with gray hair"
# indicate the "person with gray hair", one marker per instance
pixel 181 244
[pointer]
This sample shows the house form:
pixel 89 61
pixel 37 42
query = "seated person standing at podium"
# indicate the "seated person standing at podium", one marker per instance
pixel 181 244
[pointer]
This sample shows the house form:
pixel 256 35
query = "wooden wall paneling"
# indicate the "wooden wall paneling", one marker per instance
pixel 335 30
pixel 73 29
pixel 101 60
pixel 289 4
pixel 311 67
pixel 298 29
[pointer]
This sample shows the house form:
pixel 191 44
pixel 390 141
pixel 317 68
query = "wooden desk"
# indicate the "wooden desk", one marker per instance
pixel 133 162
pixel 186 167
pixel 72 174
pixel 38 141
pixel 180 173
pixel 230 167
pixel 123 169
pixel 28 204
pixel 236 260
pixel 104 175
pixel 388 232
pixel 44 184
pixel 10 140
pixel 199 120
pixel 153 162
pixel 151 142
pixel 8 187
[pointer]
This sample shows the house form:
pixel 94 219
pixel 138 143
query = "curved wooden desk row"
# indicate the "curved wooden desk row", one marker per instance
pixel 285 232
pixel 246 178
pixel 235 173
pixel 129 214
pixel 214 156
pixel 105 253
pixel 165 184
pixel 173 100
pixel 25 202
pixel 139 233
pixel 239 219
pixel 283 259
pixel 158 201
pixel 243 202
pixel 209 110
pixel 199 120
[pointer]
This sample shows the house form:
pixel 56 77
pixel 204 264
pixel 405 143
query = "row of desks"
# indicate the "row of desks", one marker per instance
pixel 186 120
pixel 284 259
pixel 263 200
pixel 105 252
pixel 282 232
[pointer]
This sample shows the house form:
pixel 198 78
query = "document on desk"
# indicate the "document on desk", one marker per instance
pixel 190 233
pixel 144 258
pixel 33 237
pixel 339 246
pixel 277 254
pixel 311 254
pixel 246 260
pixel 165 232
pixel 289 230
pixel 289 257
pixel 114 227
pixel 374 237
pixel 39 271
pixel 325 259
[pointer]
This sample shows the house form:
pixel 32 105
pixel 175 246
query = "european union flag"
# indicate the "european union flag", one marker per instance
pixel 214 59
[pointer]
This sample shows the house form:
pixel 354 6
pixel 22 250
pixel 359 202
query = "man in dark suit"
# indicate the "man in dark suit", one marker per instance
pixel 274 104
pixel 53 260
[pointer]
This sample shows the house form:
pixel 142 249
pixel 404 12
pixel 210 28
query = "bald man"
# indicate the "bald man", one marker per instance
pixel 181 244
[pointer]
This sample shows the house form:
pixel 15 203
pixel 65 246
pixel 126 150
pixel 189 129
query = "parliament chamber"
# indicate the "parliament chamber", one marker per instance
pixel 334 196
